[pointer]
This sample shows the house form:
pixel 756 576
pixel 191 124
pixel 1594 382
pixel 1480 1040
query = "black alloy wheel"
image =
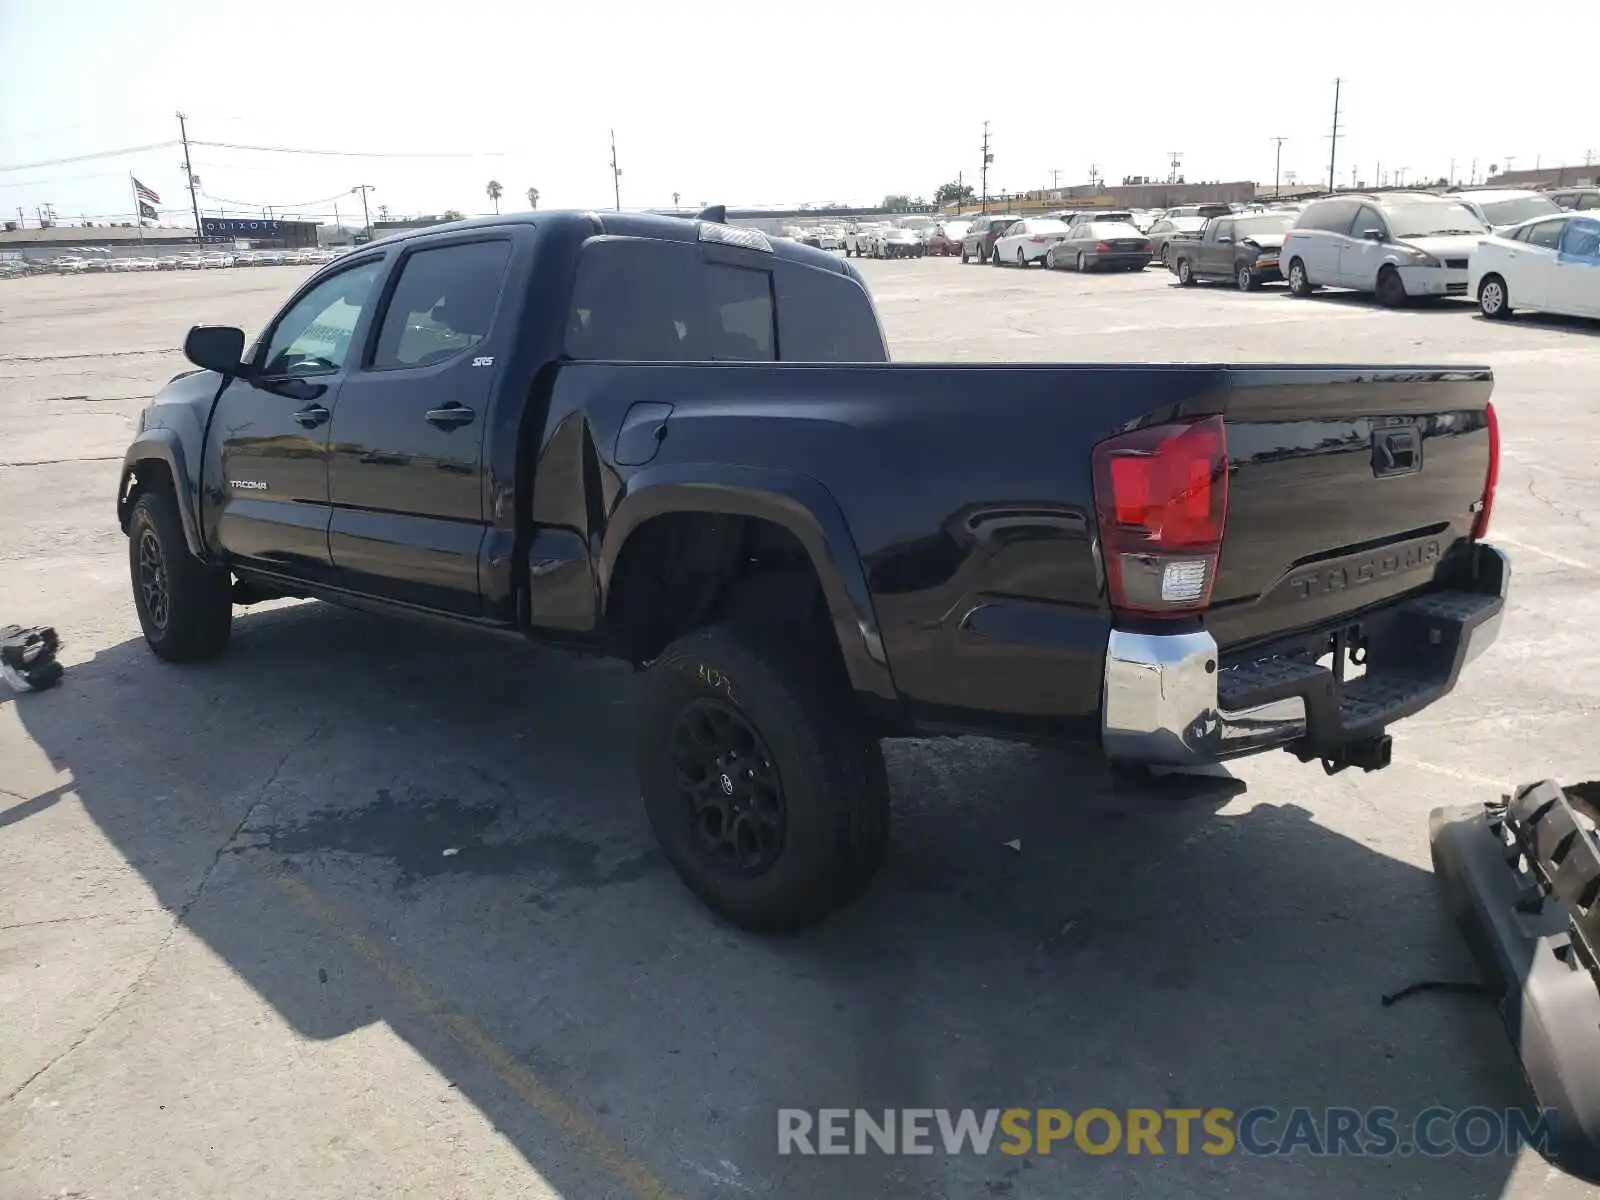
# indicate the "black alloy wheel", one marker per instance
pixel 731 794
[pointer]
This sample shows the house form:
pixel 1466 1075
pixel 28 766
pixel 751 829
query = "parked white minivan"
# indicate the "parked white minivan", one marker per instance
pixel 1396 245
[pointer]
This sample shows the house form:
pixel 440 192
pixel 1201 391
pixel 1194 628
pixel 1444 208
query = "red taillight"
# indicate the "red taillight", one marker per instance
pixel 1102 247
pixel 1040 240
pixel 1148 248
pixel 1491 479
pixel 1161 495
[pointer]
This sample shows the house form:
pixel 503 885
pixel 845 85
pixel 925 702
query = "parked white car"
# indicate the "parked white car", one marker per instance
pixel 1027 241
pixel 1550 264
pixel 858 240
pixel 898 243
pixel 1503 208
pixel 1396 245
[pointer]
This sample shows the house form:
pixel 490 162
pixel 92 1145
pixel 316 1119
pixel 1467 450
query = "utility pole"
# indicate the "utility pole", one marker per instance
pixel 22 221
pixel 616 173
pixel 188 176
pixel 1175 160
pixel 1277 162
pixel 366 217
pixel 1510 158
pixel 1333 151
pixel 983 177
pixel 1473 178
pixel 1452 179
pixel 675 196
pixel 1055 179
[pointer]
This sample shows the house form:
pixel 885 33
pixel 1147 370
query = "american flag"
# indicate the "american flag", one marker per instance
pixel 145 193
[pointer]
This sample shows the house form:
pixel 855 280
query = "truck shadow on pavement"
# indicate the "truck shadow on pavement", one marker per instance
pixel 378 822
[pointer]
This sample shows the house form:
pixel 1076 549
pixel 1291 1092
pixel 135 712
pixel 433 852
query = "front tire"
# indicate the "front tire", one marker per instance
pixel 1299 282
pixel 185 606
pixel 1246 279
pixel 1022 259
pixel 1081 263
pixel 1390 289
pixel 1494 298
pixel 964 258
pixel 768 799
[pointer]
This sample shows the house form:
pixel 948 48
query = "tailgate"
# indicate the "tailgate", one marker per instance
pixel 1347 487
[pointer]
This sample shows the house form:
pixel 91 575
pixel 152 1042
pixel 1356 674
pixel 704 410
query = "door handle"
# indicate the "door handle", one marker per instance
pixel 312 416
pixel 450 416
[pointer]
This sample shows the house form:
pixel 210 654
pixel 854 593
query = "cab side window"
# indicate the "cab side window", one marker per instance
pixel 1581 242
pixel 1367 221
pixel 443 305
pixel 1545 233
pixel 313 337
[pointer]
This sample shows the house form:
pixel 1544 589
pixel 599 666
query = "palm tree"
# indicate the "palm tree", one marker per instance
pixel 495 191
pixel 533 197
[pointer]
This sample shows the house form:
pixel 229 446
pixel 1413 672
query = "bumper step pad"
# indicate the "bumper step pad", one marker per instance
pixel 1521 878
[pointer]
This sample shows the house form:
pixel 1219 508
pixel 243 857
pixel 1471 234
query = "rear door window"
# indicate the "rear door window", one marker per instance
pixel 740 326
pixel 1545 233
pixel 638 300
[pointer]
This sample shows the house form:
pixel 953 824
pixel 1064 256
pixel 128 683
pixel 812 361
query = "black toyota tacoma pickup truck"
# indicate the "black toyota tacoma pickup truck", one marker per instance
pixel 677 443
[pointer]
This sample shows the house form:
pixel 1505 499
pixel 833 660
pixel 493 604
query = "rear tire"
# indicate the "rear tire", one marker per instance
pixel 964 258
pixel 1185 273
pixel 1299 282
pixel 1080 264
pixel 1050 259
pixel 994 257
pixel 815 788
pixel 1494 298
pixel 1390 289
pixel 1164 261
pixel 185 606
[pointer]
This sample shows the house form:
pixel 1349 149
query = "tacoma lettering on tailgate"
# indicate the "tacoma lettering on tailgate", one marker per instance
pixel 1354 573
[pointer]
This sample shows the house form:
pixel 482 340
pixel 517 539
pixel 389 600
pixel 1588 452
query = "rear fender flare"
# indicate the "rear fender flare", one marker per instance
pixel 166 447
pixel 794 501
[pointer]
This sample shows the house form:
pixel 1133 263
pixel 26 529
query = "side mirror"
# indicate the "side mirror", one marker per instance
pixel 1372 235
pixel 218 348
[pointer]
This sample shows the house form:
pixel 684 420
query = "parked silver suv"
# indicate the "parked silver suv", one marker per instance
pixel 1396 245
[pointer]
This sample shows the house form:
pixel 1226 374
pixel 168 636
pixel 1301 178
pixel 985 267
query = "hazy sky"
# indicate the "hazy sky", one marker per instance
pixel 767 102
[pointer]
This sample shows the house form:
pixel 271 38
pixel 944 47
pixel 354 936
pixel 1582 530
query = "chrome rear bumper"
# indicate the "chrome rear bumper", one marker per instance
pixel 1168 700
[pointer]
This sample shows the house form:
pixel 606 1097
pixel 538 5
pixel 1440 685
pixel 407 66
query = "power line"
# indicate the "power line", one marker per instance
pixel 64 179
pixel 338 153
pixel 340 194
pixel 76 158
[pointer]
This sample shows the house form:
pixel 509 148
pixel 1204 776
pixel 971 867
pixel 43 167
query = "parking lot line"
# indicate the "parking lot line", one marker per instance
pixel 477 1041
pixel 1542 553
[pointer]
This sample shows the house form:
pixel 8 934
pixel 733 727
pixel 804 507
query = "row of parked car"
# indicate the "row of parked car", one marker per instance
pixel 98 263
pixel 1506 252
pixel 1509 250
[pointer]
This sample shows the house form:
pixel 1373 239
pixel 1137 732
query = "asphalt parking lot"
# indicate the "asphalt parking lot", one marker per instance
pixel 371 909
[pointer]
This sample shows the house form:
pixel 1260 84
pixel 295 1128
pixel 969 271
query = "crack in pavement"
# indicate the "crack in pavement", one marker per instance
pixel 177 920
pixel 94 354
pixel 104 916
pixel 53 462
pixel 1565 510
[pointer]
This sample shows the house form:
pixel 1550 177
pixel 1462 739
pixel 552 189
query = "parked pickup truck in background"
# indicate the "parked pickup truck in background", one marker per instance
pixel 1243 249
pixel 680 444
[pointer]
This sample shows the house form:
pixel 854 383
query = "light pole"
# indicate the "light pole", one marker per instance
pixel 675 196
pixel 366 217
pixel 1277 163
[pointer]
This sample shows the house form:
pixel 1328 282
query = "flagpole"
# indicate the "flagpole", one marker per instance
pixel 138 213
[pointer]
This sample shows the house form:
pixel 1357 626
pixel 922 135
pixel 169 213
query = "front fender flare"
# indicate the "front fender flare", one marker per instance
pixel 166 447
pixel 799 504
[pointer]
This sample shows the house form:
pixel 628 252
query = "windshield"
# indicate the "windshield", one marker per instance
pixel 1114 229
pixel 1520 208
pixel 1047 226
pixel 954 229
pixel 1271 223
pixel 1432 220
